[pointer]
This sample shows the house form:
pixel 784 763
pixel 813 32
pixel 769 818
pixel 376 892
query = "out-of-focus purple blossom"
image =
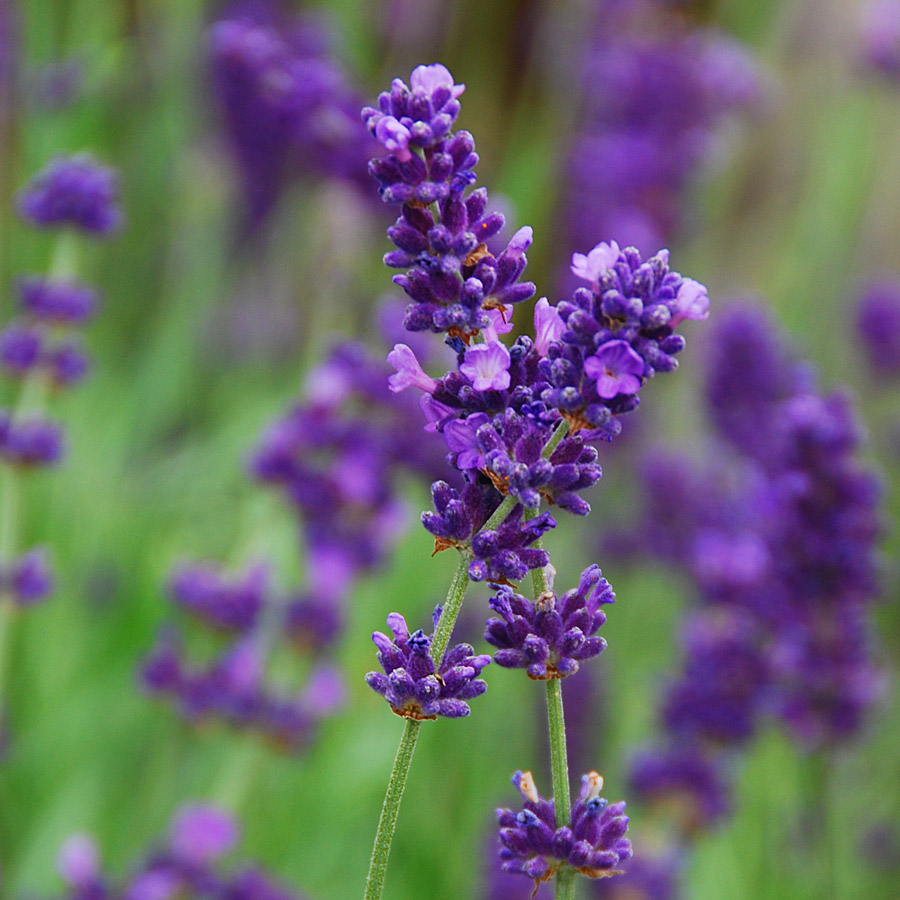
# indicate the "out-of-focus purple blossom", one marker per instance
pixel 550 636
pixel 20 349
pixel 878 317
pixel 646 877
pixel 594 842
pixel 30 442
pixel 287 107
pixel 29 578
pixel 201 834
pixel 56 85
pixel 652 95
pixel 413 685
pixel 688 780
pixel 78 862
pixel 61 302
pixel 67 363
pixel 231 602
pixel 74 191
pixel 881 37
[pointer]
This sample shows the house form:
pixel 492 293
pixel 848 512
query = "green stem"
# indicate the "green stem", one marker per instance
pixel 387 822
pixel 559 767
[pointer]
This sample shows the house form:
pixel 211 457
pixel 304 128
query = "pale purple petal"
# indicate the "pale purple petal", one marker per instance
pixel 617 368
pixel 201 833
pixel 691 302
pixel 325 692
pixel 501 323
pixel 409 372
pixel 597 261
pixel 395 137
pixel 486 365
pixel 78 860
pixel 460 437
pixel 430 78
pixel 434 411
pixel 548 325
pixel 520 242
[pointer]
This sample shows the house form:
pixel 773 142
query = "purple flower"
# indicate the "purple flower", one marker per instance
pixel 461 438
pixel 20 349
pixel 78 862
pixel 221 600
pixel 412 684
pixel 878 322
pixel 200 834
pixel 487 366
pixel 602 257
pixel 29 578
pixel 73 191
pixel 594 842
pixel 32 442
pixel 435 79
pixel 409 371
pixel 548 326
pixel 691 302
pixel 505 555
pixel 57 301
pixel 616 368
pixel 881 36
pixel 550 636
pixel 394 136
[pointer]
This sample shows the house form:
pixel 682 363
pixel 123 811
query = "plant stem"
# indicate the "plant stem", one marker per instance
pixel 387 822
pixel 443 631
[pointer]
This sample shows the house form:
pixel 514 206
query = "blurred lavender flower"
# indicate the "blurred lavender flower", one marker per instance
pixel 881 37
pixel 74 191
pixel 652 95
pixel 188 863
pixel 878 321
pixel 286 104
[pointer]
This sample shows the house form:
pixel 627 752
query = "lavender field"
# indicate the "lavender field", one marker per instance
pixel 493 407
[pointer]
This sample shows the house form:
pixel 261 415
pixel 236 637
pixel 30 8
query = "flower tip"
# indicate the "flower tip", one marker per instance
pixel 591 785
pixel 524 783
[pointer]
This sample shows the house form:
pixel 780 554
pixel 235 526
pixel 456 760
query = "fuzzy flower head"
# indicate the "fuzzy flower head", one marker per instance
pixel 411 683
pixel 593 842
pixel 74 191
pixel 550 636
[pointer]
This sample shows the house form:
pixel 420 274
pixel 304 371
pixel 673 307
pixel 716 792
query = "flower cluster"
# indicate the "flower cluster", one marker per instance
pixel 779 535
pixel 187 863
pixel 878 326
pixel 245 612
pixel 39 349
pixel 593 842
pixel 453 280
pixel 652 96
pixel 550 636
pixel 285 102
pixel 413 685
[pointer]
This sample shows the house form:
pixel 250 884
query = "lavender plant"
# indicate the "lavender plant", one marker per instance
pixel 519 423
pixel 41 353
pixel 188 862
pixel 780 542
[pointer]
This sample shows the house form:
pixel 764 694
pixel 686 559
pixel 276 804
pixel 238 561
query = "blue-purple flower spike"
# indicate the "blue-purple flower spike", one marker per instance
pixel 412 684
pixel 452 278
pixel 550 636
pixel 594 842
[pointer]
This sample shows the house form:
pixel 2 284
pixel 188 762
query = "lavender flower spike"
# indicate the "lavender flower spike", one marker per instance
pixel 594 842
pixel 73 191
pixel 411 683
pixel 550 637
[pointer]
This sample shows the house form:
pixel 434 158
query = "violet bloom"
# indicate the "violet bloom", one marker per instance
pixel 28 578
pixel 200 834
pixel 594 842
pixel 462 441
pixel 878 324
pixel 550 636
pixel 32 442
pixel 616 368
pixel 78 862
pixel 591 266
pixel 548 326
pixel 691 302
pixel 73 191
pixel 230 602
pixel 409 371
pixel 881 36
pixel 413 685
pixel 487 366
pixel 62 302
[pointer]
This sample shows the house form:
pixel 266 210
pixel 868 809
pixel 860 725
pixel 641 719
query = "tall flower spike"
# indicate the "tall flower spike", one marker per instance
pixel 593 843
pixel 550 636
pixel 411 683
pixel 453 280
